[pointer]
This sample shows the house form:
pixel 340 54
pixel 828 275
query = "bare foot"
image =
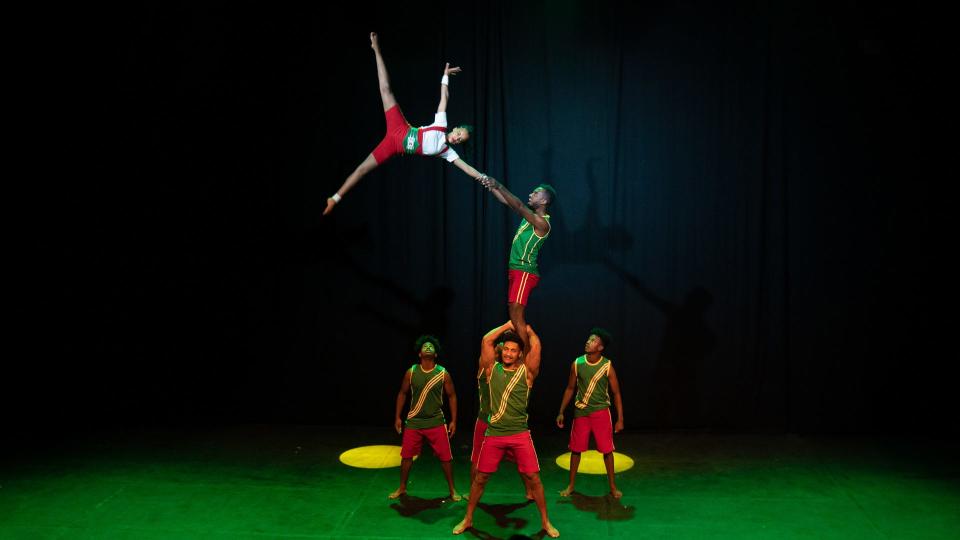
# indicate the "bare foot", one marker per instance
pixel 396 494
pixel 462 526
pixel 566 491
pixel 455 497
pixel 330 204
pixel 530 496
pixel 551 531
pixel 616 493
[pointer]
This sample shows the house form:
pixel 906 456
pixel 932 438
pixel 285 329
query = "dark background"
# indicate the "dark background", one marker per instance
pixel 741 202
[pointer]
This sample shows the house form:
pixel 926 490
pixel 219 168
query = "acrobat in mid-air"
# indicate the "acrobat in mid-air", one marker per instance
pixel 402 138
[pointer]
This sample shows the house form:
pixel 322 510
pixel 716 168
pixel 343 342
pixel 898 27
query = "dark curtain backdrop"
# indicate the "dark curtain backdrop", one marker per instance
pixel 737 205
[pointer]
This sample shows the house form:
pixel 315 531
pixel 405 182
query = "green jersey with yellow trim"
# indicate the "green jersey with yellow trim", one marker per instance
pixel 508 400
pixel 592 380
pixel 526 247
pixel 426 403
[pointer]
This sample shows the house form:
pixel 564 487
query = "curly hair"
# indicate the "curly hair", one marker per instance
pixel 427 338
pixel 604 336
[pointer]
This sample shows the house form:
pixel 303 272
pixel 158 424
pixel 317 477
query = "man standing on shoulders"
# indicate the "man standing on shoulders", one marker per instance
pixel 523 273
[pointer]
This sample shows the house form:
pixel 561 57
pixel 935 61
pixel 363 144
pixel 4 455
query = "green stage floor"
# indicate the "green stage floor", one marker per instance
pixel 287 482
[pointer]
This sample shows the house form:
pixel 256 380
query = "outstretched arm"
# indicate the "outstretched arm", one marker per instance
pixel 617 402
pixel 568 393
pixel 532 360
pixel 401 400
pixel 471 172
pixel 488 346
pixel 540 225
pixel 445 86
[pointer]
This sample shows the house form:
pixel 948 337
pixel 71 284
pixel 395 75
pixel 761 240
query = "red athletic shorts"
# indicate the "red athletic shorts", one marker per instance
pixel 436 436
pixel 478 430
pixel 392 143
pixel 521 283
pixel 600 423
pixel 497 447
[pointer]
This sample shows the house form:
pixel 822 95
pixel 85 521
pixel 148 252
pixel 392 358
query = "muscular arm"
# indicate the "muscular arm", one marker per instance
pixel 532 360
pixel 451 392
pixel 540 225
pixel 488 346
pixel 568 393
pixel 617 402
pixel 401 400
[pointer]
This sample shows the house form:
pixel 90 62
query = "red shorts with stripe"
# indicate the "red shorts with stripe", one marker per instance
pixel 498 447
pixel 600 423
pixel 436 436
pixel 521 283
pixel 478 435
pixel 392 143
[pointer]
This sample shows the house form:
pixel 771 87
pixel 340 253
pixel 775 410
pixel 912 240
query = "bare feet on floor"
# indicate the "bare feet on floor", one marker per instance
pixel 462 526
pixel 551 531
pixel 396 494
pixel 616 493
pixel 455 497
pixel 566 491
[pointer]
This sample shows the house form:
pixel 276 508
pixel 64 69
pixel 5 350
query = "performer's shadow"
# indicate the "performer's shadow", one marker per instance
pixel 424 509
pixel 483 535
pixel 501 513
pixel 606 507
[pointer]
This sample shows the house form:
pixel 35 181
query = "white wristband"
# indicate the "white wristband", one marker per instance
pixel 445 80
pixel 336 197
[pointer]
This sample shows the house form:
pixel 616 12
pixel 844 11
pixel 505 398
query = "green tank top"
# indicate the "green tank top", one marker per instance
pixel 526 247
pixel 426 403
pixel 508 401
pixel 592 381
pixel 483 390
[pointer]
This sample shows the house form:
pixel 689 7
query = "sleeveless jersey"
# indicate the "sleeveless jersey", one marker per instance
pixel 508 400
pixel 592 381
pixel 426 401
pixel 526 247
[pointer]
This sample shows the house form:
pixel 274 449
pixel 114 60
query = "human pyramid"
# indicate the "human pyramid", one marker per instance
pixel 509 354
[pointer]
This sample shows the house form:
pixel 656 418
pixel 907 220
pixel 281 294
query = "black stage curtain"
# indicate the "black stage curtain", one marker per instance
pixel 738 205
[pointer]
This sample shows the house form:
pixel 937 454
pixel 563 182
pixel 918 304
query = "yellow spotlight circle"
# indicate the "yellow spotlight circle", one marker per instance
pixel 591 462
pixel 381 456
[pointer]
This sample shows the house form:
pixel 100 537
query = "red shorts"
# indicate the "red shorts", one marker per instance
pixel 478 430
pixel 600 423
pixel 392 143
pixel 497 447
pixel 436 436
pixel 521 283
